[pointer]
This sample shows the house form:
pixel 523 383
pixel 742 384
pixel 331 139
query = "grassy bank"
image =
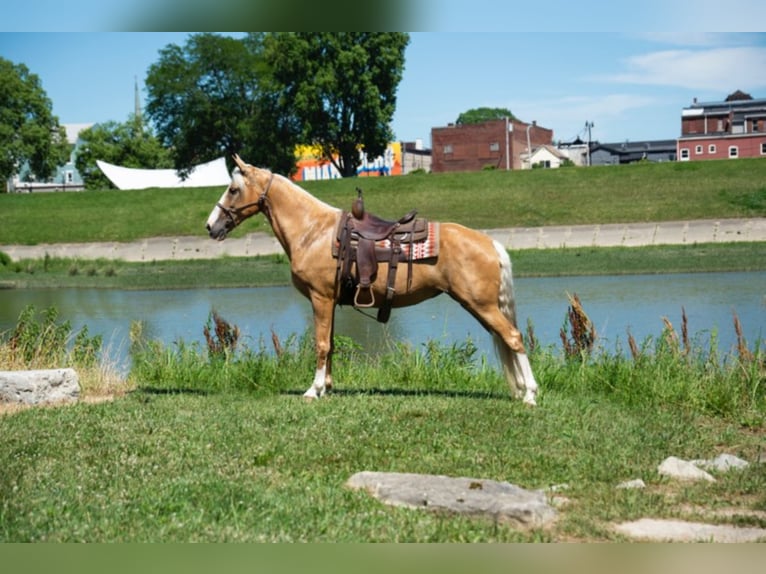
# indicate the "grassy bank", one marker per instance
pixel 275 270
pixel 488 199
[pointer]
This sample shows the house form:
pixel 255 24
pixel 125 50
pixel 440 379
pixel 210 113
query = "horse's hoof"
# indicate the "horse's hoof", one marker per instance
pixel 529 400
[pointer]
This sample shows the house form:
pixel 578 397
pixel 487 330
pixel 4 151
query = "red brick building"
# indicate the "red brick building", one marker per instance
pixel 497 143
pixel 723 130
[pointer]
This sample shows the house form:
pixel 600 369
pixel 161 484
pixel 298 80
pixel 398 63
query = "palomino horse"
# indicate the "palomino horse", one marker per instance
pixel 471 267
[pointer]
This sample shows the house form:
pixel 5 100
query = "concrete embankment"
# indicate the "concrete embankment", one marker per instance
pixel 608 235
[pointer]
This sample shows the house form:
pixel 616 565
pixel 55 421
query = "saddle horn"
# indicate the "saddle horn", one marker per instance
pixel 357 208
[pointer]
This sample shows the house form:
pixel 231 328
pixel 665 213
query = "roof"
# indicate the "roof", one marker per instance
pixel 732 104
pixel 627 147
pixel 550 149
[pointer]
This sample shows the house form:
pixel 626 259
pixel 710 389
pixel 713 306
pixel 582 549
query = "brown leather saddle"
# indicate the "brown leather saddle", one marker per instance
pixel 362 241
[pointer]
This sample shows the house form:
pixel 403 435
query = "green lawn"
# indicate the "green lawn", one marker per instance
pixel 205 450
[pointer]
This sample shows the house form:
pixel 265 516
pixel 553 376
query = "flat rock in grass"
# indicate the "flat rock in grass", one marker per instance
pixel 500 501
pixel 632 484
pixel 682 470
pixel 39 386
pixel 682 531
pixel 722 463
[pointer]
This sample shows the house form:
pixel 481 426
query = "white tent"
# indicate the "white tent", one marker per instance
pixel 209 174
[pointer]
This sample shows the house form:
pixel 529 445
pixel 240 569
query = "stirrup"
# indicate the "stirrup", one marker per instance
pixel 356 297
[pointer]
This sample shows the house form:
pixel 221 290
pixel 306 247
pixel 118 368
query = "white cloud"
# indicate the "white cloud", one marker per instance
pixel 718 69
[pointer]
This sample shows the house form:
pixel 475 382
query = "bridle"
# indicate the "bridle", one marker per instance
pixel 233 213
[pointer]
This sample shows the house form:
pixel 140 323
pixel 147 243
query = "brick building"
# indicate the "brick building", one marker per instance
pixel 735 127
pixel 496 143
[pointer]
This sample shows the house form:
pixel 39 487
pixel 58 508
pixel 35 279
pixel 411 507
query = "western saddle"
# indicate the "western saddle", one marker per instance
pixel 362 241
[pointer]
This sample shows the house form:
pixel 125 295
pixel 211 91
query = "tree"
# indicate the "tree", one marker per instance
pixel 213 96
pixel 130 144
pixel 340 88
pixel 479 115
pixel 29 132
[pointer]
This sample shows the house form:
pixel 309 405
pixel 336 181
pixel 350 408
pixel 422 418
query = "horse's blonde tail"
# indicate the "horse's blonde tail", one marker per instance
pixel 507 304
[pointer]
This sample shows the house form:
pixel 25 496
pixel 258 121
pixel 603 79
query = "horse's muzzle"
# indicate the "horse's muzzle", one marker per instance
pixel 218 230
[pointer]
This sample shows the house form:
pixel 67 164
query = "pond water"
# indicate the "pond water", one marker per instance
pixel 615 304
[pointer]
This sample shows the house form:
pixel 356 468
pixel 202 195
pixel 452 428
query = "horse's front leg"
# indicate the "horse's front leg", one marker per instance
pixel 324 312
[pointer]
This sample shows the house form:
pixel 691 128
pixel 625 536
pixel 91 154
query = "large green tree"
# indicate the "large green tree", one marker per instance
pixel 340 88
pixel 29 132
pixel 129 144
pixel 213 96
pixel 479 115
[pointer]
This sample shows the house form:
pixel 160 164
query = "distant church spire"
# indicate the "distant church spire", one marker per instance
pixel 137 102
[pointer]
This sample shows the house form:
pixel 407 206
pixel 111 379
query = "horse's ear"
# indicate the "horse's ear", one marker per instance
pixel 240 164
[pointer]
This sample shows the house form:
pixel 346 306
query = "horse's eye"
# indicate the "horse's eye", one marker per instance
pixel 233 191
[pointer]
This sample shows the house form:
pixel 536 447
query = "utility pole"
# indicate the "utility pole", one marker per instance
pixel 588 126
pixel 529 147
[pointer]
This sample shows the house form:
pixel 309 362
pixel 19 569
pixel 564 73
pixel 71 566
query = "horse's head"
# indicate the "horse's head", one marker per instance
pixel 245 196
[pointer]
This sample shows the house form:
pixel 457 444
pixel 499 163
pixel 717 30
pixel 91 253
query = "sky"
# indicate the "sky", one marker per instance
pixel 630 85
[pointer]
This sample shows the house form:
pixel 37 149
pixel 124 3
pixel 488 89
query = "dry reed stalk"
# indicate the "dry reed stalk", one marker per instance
pixel 634 352
pixel 226 336
pixel 745 356
pixel 671 337
pixel 277 345
pixel 583 333
pixel 531 341
pixel 685 332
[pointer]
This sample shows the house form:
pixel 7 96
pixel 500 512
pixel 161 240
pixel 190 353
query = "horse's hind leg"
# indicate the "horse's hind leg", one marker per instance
pixel 324 311
pixel 510 347
pixel 493 305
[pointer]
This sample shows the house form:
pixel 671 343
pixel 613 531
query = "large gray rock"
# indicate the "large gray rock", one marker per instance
pixel 680 469
pixel 39 387
pixel 500 501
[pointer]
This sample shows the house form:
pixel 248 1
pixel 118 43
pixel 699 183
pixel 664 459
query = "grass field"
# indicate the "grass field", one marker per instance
pixel 485 200
pixel 219 446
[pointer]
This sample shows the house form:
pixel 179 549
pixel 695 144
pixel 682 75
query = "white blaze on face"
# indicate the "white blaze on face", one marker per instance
pixel 216 213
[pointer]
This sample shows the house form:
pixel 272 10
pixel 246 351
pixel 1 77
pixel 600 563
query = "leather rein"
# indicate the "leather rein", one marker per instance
pixel 236 212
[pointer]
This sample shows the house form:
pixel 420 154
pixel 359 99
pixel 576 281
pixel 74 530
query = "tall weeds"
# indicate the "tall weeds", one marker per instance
pixel 220 335
pixel 582 334
pixel 40 341
pixel 673 370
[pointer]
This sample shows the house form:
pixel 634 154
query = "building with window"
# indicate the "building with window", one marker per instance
pixel 735 127
pixel 544 156
pixel 495 144
pixel 66 177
